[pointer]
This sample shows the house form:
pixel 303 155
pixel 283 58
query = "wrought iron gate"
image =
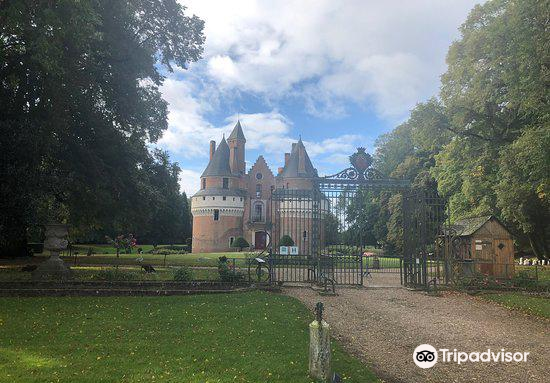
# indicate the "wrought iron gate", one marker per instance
pixel 427 239
pixel 330 225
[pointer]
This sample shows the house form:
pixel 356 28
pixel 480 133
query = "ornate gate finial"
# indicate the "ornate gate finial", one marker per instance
pixel 360 160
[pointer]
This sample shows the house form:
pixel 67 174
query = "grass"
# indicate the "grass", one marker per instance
pixel 247 337
pixel 540 272
pixel 95 273
pixel 532 305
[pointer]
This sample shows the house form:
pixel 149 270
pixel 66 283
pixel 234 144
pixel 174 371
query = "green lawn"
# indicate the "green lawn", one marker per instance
pixel 96 273
pixel 538 306
pixel 247 337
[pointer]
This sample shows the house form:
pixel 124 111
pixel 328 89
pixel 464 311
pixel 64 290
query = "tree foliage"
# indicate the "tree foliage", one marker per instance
pixel 240 243
pixel 80 104
pixel 483 143
pixel 286 240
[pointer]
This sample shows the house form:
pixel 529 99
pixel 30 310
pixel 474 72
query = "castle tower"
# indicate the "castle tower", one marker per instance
pixel 297 214
pixel 298 172
pixel 236 142
pixel 219 206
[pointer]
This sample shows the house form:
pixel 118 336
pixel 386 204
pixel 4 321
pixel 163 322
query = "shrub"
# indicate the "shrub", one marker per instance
pixel 114 275
pixel 240 243
pixel 174 249
pixel 183 274
pixel 228 273
pixel 286 241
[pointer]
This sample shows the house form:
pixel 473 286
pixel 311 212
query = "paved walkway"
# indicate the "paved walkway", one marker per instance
pixel 383 326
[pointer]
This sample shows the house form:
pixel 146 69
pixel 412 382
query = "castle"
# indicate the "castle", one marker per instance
pixel 234 203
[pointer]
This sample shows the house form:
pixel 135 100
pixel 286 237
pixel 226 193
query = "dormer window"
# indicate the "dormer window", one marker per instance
pixel 225 183
pixel 203 183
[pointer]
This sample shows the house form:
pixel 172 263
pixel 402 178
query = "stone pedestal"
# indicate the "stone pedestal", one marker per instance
pixel 319 351
pixel 54 268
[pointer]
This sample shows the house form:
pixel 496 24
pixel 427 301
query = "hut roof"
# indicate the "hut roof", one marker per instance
pixel 468 226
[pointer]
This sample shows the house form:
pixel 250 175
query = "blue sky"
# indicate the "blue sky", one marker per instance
pixel 338 73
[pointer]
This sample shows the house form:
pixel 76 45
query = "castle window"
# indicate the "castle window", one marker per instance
pixel 203 183
pixel 257 215
pixel 204 198
pixel 305 235
pixel 213 198
pixel 224 198
pixel 225 183
pixel 231 239
pixel 258 190
pixel 216 215
pixel 259 176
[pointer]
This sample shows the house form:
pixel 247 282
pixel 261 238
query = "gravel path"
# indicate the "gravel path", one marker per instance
pixel 383 326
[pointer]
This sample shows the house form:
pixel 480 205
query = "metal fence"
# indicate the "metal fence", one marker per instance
pixel 108 268
pixel 339 269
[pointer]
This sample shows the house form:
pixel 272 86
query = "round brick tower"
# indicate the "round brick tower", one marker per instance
pixel 218 208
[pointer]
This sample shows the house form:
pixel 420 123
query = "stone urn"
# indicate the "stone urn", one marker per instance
pixel 56 241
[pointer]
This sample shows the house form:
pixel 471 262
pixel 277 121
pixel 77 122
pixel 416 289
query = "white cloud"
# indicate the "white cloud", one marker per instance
pixel 189 181
pixel 383 54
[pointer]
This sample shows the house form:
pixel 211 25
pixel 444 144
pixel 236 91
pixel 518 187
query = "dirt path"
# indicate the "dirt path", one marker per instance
pixel 383 326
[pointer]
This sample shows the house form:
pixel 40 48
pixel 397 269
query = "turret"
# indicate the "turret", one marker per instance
pixel 298 171
pixel 236 142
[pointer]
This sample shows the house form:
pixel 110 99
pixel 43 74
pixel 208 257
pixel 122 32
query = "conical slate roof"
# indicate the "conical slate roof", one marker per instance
pixel 237 133
pixel 299 165
pixel 219 164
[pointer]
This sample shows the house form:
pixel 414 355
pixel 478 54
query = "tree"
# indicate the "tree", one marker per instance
pixel 497 77
pixel 80 103
pixel 495 90
pixel 524 186
pixel 122 242
pixel 331 229
pixel 286 240
pixel 240 243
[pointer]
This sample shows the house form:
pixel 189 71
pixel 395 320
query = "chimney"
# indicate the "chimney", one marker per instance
pixel 212 148
pixel 287 157
pixel 279 170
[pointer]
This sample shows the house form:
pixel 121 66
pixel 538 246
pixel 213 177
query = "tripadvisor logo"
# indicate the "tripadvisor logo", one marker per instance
pixel 426 356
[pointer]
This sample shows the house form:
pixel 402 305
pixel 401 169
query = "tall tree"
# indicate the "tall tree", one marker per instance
pixel 79 88
pixel 495 90
pixel 524 187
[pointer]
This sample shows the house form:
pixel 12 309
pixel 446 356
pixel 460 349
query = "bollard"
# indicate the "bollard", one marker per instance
pixel 319 347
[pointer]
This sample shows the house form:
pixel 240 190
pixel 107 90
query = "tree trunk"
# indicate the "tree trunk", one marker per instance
pixel 538 245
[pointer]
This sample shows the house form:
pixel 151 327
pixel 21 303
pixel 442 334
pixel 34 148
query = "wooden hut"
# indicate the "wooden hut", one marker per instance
pixel 486 242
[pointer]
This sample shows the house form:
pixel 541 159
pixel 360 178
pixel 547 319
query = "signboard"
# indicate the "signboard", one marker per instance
pixel 293 250
pixel 479 247
pixel 283 250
